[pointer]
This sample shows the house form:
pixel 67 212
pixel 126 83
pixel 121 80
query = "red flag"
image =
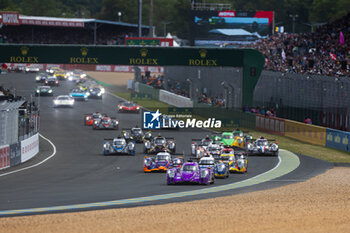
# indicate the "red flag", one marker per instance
pixel 333 56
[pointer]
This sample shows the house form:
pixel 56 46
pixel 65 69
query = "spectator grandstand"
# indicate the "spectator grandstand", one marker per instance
pixel 53 30
pixel 324 52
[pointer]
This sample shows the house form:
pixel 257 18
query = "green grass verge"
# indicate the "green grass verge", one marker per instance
pixel 319 152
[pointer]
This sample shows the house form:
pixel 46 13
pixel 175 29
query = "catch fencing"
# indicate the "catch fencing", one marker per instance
pixel 326 100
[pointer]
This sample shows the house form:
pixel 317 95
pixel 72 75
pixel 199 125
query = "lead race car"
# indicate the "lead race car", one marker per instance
pixel 128 107
pixel 105 122
pixel 190 172
pixel 118 146
pixel 161 162
pixel 263 146
pixel 159 144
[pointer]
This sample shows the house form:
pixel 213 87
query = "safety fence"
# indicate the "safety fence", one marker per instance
pixel 19 152
pixel 313 134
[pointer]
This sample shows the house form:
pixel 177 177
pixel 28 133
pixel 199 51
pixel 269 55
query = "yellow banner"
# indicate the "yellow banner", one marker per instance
pixel 304 132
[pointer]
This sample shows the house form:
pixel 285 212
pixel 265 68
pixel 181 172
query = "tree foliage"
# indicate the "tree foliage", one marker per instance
pixel 176 13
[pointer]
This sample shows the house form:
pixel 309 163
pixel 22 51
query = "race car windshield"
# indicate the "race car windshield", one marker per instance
pixel 119 143
pixel 77 91
pixel 189 168
pixel 96 115
pixel 63 98
pixel 159 141
pixel 95 90
pixel 206 142
pixel 206 162
pixel 261 143
pixel 137 131
pixel 44 88
pixel 163 157
pixel 227 136
pixel 128 104
pixel 226 158
pixel 238 134
pixel 106 120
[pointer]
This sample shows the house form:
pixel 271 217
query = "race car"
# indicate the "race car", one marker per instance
pixel 262 146
pixel 41 77
pixel 60 74
pixel 191 173
pixel 89 118
pixel 96 92
pixel 159 144
pixel 43 90
pixel 118 146
pixel 235 162
pixel 79 94
pixel 31 69
pixel 214 149
pixel 161 162
pixel 238 136
pixel 221 170
pixel 128 107
pixel 147 136
pixel 203 143
pixel 137 134
pixel 52 81
pixel 226 139
pixel 105 122
pixel 63 101
pixel 52 70
pixel 207 162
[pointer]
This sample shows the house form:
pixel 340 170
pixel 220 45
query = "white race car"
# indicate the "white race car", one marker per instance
pixel 63 101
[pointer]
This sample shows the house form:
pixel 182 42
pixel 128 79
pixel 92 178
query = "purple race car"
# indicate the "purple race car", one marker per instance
pixel 191 173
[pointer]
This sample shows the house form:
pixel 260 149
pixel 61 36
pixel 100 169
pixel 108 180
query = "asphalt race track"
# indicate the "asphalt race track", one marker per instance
pixel 79 173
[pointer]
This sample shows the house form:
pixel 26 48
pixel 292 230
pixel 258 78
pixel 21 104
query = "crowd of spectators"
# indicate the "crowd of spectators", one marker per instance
pixel 268 112
pixel 324 52
pixel 215 101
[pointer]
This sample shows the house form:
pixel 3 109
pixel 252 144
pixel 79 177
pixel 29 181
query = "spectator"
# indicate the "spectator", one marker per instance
pixel 308 120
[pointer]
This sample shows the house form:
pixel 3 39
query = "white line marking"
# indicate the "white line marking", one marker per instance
pixel 37 164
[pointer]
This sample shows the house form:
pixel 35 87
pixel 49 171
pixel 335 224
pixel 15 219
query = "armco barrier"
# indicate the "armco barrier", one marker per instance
pixel 270 124
pixel 15 154
pixel 175 100
pixel 306 133
pixel 338 139
pixel 4 157
pixel 29 147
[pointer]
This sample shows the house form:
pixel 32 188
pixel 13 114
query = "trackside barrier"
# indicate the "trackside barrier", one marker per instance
pixel 4 157
pixel 15 154
pixel 270 124
pixel 29 147
pixel 338 139
pixel 307 133
pixel 175 100
pixel 146 89
pixel 103 68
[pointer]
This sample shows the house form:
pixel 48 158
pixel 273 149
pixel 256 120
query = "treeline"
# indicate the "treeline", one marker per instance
pixel 176 13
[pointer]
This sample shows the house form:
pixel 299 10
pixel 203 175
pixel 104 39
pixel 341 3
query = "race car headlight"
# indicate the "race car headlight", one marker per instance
pixel 120 107
pixel 147 162
pixel 105 145
pixel 70 78
pixel 37 91
pixel 147 145
pixel 50 91
pixel 250 147
pixel 37 78
pixel 239 140
pixel 172 145
pixel 137 108
pixel 102 90
pixel 87 93
pixel 47 70
pixel 131 146
pixel 82 75
pixel 274 147
pixel 99 94
pixel 171 173
pixel 204 173
pixel 56 102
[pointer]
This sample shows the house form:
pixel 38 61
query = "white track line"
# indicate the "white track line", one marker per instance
pixel 37 164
